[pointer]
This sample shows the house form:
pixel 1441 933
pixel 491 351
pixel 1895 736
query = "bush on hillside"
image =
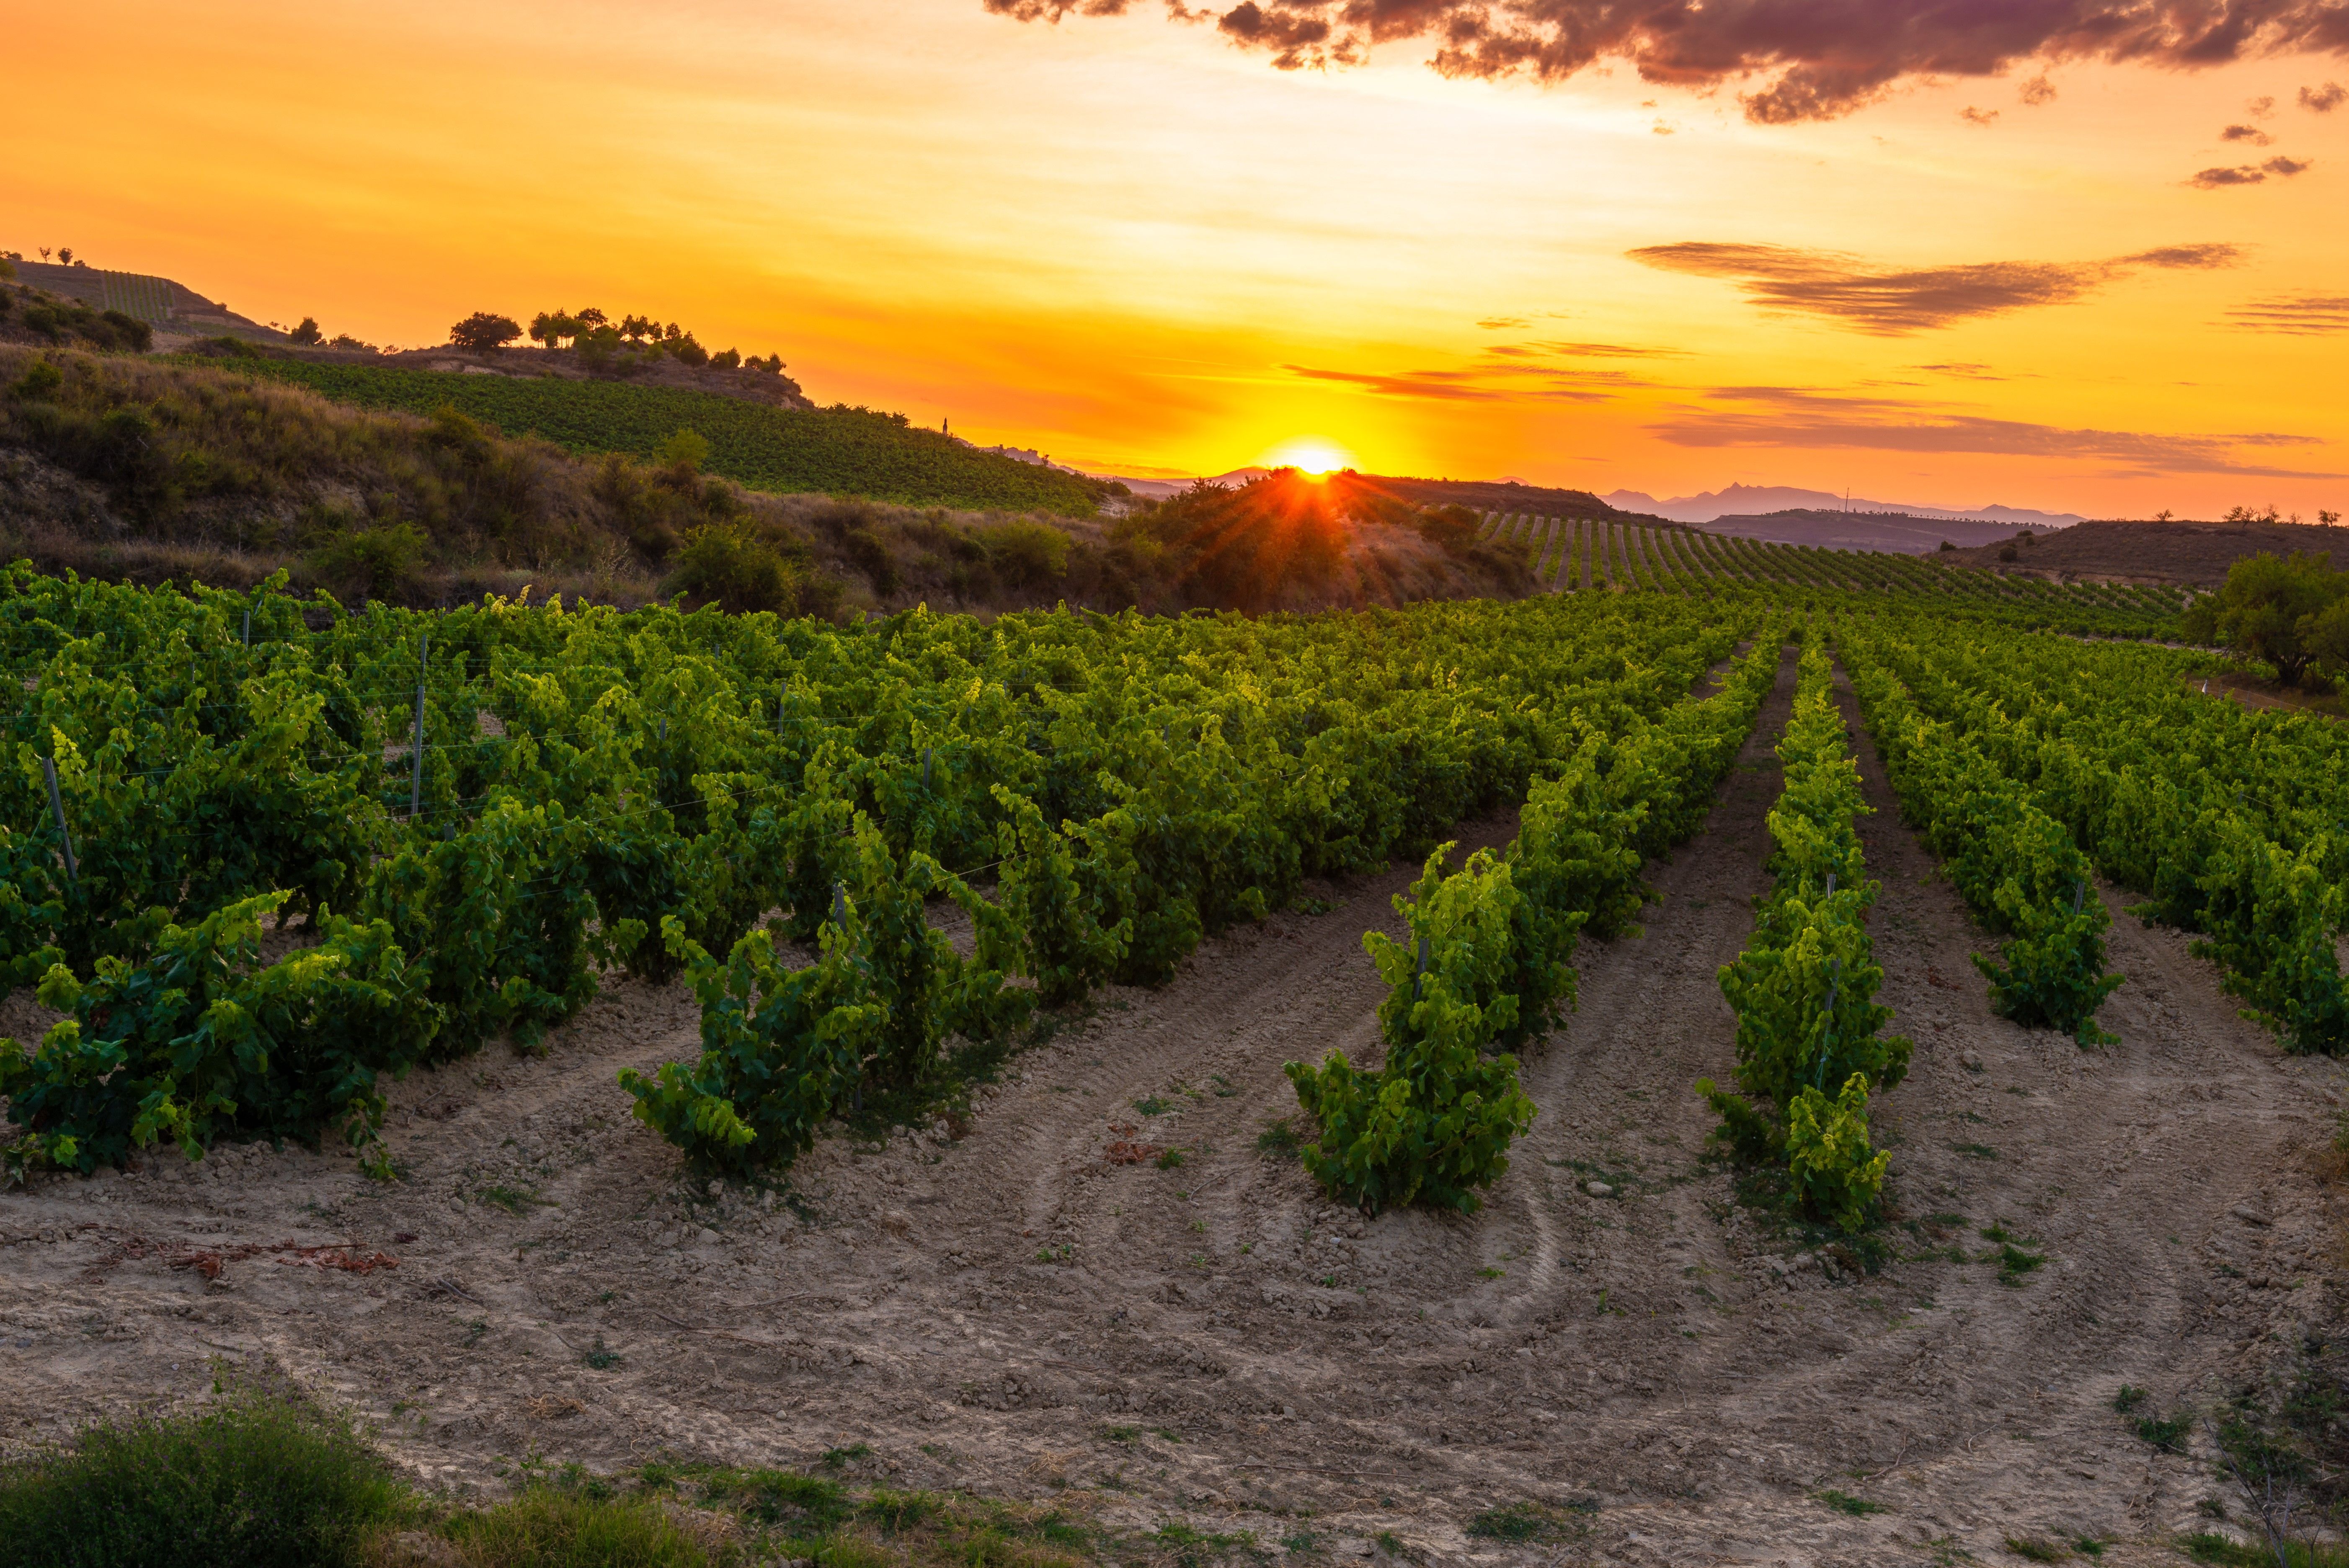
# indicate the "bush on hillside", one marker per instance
pixel 2291 611
pixel 734 566
pixel 369 560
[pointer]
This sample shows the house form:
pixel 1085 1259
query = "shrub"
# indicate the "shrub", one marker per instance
pixel 254 1479
pixel 371 560
pixel 731 564
pixel 306 332
pixel 685 450
pixel 1026 554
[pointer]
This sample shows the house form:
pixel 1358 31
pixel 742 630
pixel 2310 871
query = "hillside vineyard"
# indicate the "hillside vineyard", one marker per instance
pixel 465 820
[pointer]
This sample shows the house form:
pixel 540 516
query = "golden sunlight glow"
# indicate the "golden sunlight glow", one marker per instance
pixel 1310 454
pixel 1069 239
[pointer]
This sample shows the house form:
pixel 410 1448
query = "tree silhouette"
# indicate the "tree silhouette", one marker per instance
pixel 484 332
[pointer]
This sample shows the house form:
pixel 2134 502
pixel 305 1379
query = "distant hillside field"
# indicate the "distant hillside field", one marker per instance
pixel 835 451
pixel 2162 552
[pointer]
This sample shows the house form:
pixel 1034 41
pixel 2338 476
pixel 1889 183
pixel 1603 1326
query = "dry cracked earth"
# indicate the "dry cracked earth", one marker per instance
pixel 1016 1305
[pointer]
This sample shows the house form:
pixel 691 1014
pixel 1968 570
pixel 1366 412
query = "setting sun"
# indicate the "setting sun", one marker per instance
pixel 1310 454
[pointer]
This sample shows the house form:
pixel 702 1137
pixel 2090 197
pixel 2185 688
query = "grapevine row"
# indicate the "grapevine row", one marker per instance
pixel 1809 1046
pixel 1488 964
pixel 2016 867
pixel 2230 823
pixel 601 792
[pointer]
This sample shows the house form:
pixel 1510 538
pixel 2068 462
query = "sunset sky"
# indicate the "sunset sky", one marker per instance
pixel 2082 283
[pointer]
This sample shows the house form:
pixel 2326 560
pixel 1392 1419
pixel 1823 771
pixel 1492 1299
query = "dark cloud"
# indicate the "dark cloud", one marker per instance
pixel 1842 288
pixel 2250 133
pixel 1813 418
pixel 2247 174
pixel 1814 61
pixel 2323 99
pixel 2298 314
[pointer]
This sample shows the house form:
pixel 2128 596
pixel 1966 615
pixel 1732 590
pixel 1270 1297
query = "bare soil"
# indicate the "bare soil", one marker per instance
pixel 1018 1304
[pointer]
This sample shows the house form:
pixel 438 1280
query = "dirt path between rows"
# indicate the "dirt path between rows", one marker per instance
pixel 1024 1309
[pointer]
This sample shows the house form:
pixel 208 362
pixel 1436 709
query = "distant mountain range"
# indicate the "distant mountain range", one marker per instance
pixel 1750 501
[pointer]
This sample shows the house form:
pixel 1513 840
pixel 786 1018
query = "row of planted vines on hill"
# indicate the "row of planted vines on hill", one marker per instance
pixel 1486 966
pixel 1810 1046
pixel 598 791
pixel 1573 553
pixel 2017 868
pixel 2230 823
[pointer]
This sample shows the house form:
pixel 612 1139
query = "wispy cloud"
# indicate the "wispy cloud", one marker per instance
pixel 1888 302
pixel 1802 416
pixel 2323 99
pixel 1513 379
pixel 1447 386
pixel 2250 174
pixel 2297 314
pixel 1815 62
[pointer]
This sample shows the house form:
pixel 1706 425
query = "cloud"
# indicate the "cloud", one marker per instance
pixel 2038 90
pixel 1967 368
pixel 1812 61
pixel 1841 288
pixel 2245 175
pixel 2260 108
pixel 2250 133
pixel 2323 99
pixel 1513 379
pixel 1973 116
pixel 2298 314
pixel 1445 386
pixel 1810 417
pixel 1503 322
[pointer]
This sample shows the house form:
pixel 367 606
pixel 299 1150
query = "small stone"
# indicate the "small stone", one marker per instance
pixel 2250 1215
pixel 708 1238
pixel 1598 1188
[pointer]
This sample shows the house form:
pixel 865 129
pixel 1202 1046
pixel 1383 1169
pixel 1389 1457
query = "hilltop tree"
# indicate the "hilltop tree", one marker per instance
pixel 484 333
pixel 550 329
pixel 306 332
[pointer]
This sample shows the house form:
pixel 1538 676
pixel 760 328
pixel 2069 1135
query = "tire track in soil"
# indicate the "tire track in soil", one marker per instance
pixel 1635 1349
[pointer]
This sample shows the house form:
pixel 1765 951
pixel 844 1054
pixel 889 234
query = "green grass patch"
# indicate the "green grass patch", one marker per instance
pixel 1844 1503
pixel 255 1477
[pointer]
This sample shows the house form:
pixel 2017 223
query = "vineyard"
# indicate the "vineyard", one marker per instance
pixel 1571 553
pixel 1156 1059
pixel 835 451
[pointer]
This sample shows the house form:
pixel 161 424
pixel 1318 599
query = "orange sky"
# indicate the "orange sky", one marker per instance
pixel 1142 250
